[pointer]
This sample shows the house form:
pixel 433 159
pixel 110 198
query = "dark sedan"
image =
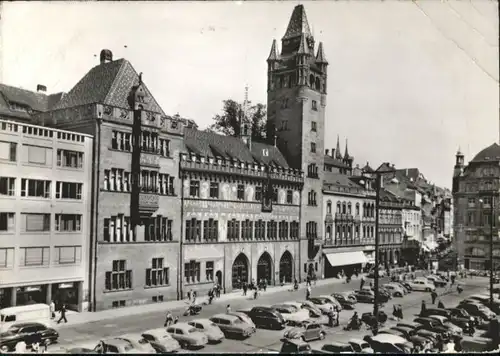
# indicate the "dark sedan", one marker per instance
pixel 345 301
pixel 29 333
pixel 432 325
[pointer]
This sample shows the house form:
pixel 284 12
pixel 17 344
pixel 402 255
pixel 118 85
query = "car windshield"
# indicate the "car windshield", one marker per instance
pixel 304 347
pixel 365 345
pixel 128 346
pixel 237 321
pixel 14 329
pixel 211 324
pixel 192 330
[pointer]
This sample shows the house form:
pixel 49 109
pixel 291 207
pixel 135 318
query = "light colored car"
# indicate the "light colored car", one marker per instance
pixel 322 303
pixel 307 331
pixel 422 285
pixel 161 340
pixel 437 281
pixel 243 317
pixel 314 311
pixel 138 341
pixel 292 314
pixel 361 346
pixel 187 335
pixel 231 325
pixel 332 300
pixel 118 346
pixel 213 332
pixel 454 330
pixel 395 290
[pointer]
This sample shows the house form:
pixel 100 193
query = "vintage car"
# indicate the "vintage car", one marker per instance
pixel 207 327
pixel 26 332
pixel 307 331
pixel 477 309
pixel 118 346
pixel 322 303
pixel 187 336
pixel 314 311
pixel 337 348
pixel 231 325
pixel 138 342
pixel 445 322
pixel 293 347
pixel 347 300
pixel 161 340
pixel 422 285
pixel 266 317
pixel 361 346
pixel 292 314
pixel 332 301
pixel 387 343
pixel 394 289
pixel 437 281
pixel 243 317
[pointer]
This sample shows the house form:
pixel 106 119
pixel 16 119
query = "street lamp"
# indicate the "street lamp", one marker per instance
pixel 492 202
pixel 384 169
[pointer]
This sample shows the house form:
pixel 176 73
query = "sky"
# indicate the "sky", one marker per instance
pixel 408 82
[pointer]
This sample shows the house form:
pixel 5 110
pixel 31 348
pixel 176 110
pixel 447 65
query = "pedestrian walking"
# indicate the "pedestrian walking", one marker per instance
pixel 210 296
pixel 176 319
pixel 423 308
pixel 434 297
pixel 308 292
pixel 52 308
pixel 228 308
pixel 245 288
pixel 194 297
pixel 362 283
pixel 265 284
pixel 255 293
pixel 169 319
pixel 308 280
pixel 337 316
pixel 218 290
pixel 63 314
pixel 189 295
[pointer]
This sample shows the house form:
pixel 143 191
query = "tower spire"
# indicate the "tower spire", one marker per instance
pixel 273 54
pixel 303 48
pixel 346 154
pixel 298 24
pixel 338 155
pixel 320 57
pixel 245 125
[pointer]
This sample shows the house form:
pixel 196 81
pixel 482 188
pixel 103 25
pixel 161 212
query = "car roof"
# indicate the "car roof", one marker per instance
pixel 156 332
pixel 358 341
pixel 131 336
pixel 116 341
pixel 183 326
pixel 23 325
pixel 298 342
pixel 337 343
pixel 390 338
pixel 202 321
pixel 440 317
pixel 226 316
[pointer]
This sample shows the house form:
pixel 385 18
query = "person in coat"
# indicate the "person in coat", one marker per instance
pixel 63 314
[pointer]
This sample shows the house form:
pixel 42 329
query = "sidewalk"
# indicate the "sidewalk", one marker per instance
pixel 89 317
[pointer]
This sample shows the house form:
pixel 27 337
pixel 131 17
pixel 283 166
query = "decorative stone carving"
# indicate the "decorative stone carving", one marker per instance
pixel 150 116
pixel 150 160
pixel 149 200
pixel 123 114
pixel 108 110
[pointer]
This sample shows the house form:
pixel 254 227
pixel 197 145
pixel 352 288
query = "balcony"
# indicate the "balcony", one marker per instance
pixel 148 204
pixel 150 160
pixel 345 242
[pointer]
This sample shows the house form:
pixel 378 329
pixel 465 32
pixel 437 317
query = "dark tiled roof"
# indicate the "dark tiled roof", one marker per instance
pixel 329 160
pixel 211 144
pixel 490 153
pixel 320 57
pixel 35 101
pixel 367 168
pixel 109 84
pixel 413 173
pixel 298 23
pixel 386 195
pixel 340 180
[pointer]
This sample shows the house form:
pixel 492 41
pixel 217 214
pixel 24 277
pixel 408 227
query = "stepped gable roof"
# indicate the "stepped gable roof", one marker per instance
pixel 211 144
pixel 33 101
pixel 108 83
pixel 329 160
pixel 490 153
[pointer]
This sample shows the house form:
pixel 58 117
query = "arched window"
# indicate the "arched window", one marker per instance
pixel 357 209
pixel 339 209
pixel 349 209
pixel 311 81
pixel 329 207
pixel 317 84
pixel 344 208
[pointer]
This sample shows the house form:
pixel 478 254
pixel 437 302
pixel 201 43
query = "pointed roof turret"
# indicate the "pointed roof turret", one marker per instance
pixel 273 55
pixel 320 57
pixel 303 48
pixel 338 155
pixel 298 23
pixel 346 154
pixel 459 152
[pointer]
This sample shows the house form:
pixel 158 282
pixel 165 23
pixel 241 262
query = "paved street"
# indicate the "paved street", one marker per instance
pixel 88 334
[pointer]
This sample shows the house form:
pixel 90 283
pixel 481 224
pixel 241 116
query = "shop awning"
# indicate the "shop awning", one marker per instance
pixel 346 258
pixel 425 248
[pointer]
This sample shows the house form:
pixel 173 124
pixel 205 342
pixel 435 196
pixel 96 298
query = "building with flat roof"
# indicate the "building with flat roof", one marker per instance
pixel 45 195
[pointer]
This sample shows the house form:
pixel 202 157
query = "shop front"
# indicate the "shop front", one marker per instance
pixel 66 293
pixel 31 294
pixel 5 297
pixel 348 262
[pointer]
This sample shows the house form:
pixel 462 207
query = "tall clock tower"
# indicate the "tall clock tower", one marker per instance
pixel 296 100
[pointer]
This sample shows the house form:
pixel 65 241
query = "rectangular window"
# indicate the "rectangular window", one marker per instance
pixel 8 151
pixel 210 230
pixel 258 193
pixel 194 188
pixel 7 185
pixel 35 256
pixel 36 222
pixel 294 230
pixel 260 230
pixel 313 147
pixel 247 230
pixel 192 272
pixel 7 222
pixel 6 257
pixel 241 192
pixel 209 270
pixel 69 159
pixel 67 255
pixel 214 190
pixel 119 277
pixel 68 222
pixel 272 230
pixel 283 230
pixel 67 190
pixel 164 149
pixel 158 274
pixel 314 105
pixel 289 196
pixel 158 228
pixel 39 155
pixel 193 230
pixel 233 230
pixel 313 126
pixel 35 188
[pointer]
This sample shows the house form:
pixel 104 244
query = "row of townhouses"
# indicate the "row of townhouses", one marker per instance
pixel 107 201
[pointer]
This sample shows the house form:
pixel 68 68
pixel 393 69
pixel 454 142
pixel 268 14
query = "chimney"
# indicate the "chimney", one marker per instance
pixel 333 152
pixel 275 140
pixel 406 172
pixel 326 152
pixel 41 88
pixel 106 56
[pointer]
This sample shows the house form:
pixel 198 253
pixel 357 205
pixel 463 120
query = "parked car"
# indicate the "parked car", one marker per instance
pixel 392 331
pixel 337 348
pixel 266 317
pixel 26 332
pixel 386 343
pixel 366 296
pixel 485 300
pixel 243 317
pixel 307 331
pixel 421 285
pixel 207 327
pixel 161 340
pixel 360 346
pixel 322 303
pixel 437 281
pixel 405 289
pixel 395 290
pixel 231 325
pixel 332 301
pixel 346 300
pixel 187 336
pixel 420 341
pixel 407 286
pixel 367 317
pixel 117 346
pixel 434 326
pixel 477 309
pixel 138 342
pixel 462 313
pixel 314 311
pixel 291 314
pixel 431 336
pixel 445 322
pixel 406 331
pixel 459 321
pixel 385 292
pixel 295 347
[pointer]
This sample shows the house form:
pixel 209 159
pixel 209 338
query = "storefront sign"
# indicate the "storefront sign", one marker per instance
pixel 33 289
pixel 65 285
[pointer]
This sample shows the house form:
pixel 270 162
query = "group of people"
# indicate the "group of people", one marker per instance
pixel 262 285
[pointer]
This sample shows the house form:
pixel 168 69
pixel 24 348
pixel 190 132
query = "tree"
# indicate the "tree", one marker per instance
pixel 228 123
